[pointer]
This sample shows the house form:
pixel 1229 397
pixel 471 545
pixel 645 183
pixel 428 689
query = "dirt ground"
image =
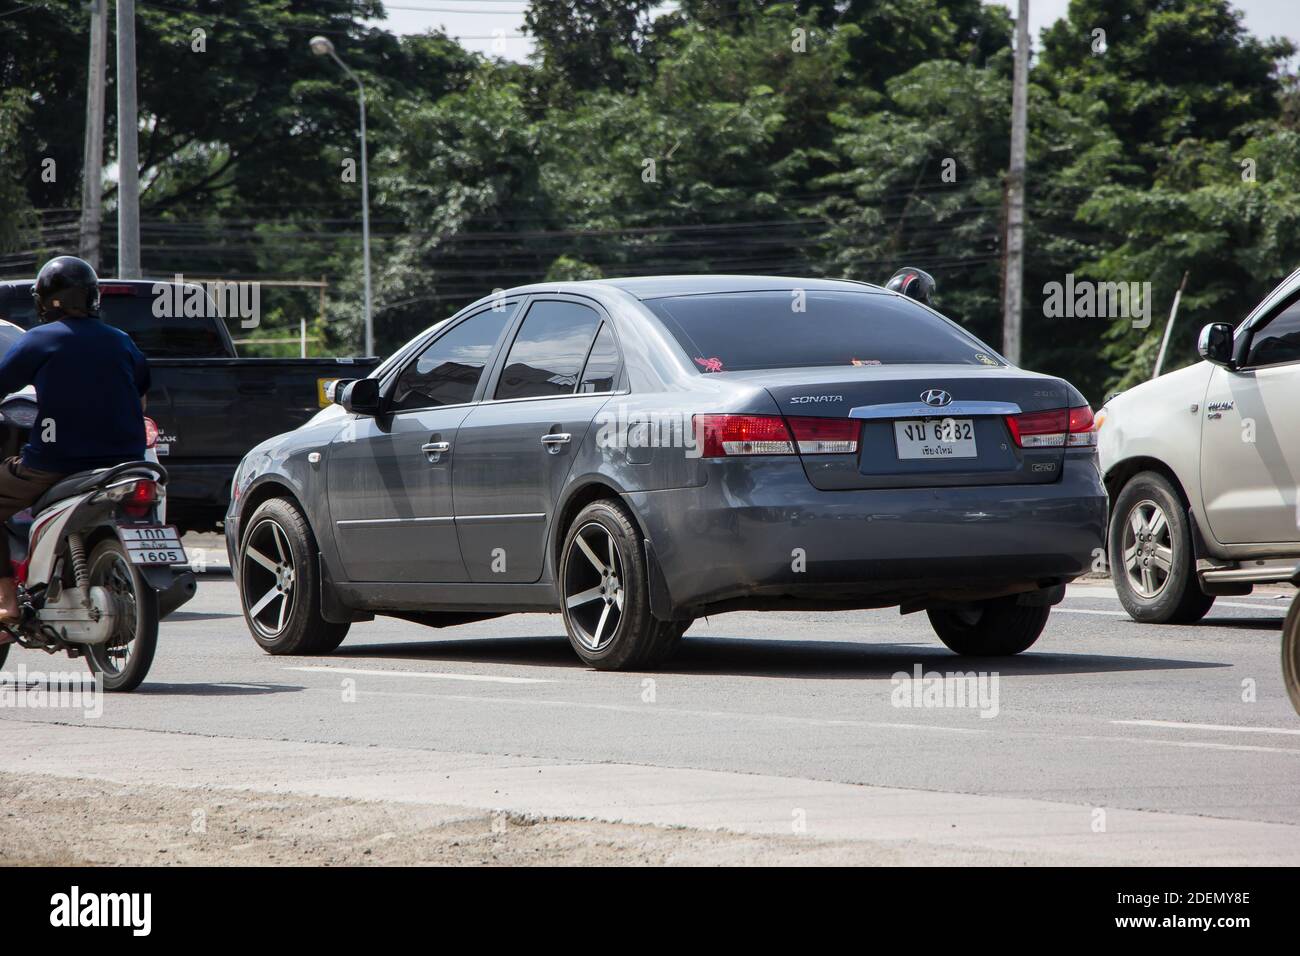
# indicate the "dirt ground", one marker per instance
pixel 53 821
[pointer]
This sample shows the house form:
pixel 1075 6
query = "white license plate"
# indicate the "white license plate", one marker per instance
pixel 935 438
pixel 154 545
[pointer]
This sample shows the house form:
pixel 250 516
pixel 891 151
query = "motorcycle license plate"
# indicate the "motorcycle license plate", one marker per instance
pixel 158 544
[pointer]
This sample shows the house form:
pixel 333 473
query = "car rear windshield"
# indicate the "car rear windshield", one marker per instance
pixel 800 328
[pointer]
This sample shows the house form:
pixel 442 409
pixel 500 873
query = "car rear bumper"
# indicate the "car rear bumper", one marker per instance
pixel 763 537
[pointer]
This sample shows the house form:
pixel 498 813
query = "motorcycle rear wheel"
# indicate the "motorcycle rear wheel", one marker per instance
pixel 125 659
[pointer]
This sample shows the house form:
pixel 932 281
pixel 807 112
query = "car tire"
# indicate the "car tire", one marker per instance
pixel 996 628
pixel 605 593
pixel 279 583
pixel 1149 505
pixel 1291 654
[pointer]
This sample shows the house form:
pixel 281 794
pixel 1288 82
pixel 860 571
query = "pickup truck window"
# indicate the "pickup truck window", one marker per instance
pixel 1279 341
pixel 180 337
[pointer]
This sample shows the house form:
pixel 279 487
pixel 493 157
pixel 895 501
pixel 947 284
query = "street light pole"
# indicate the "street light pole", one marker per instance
pixel 128 147
pixel 1013 285
pixel 322 46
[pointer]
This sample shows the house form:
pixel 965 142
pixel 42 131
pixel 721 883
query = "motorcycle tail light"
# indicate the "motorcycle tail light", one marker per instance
pixel 140 499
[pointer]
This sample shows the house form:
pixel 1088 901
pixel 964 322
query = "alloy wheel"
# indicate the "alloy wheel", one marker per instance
pixel 268 576
pixel 593 586
pixel 1148 549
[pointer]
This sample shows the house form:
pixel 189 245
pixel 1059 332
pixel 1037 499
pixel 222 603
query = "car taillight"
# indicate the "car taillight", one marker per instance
pixel 826 436
pixel 141 498
pixel 1054 428
pixel 1083 432
pixel 723 436
pixel 150 432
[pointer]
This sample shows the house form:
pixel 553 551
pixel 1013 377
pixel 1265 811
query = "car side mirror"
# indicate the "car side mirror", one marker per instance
pixel 914 283
pixel 1215 344
pixel 360 396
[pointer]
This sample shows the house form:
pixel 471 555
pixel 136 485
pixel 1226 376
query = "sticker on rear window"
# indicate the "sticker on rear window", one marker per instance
pixel 981 357
pixel 709 364
pixel 858 361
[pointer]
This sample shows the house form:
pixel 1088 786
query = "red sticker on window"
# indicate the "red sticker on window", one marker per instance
pixel 709 364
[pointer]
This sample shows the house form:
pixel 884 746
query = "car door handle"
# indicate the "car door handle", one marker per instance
pixel 434 450
pixel 554 440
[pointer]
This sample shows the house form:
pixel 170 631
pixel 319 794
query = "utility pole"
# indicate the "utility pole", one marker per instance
pixel 92 166
pixel 128 147
pixel 1014 277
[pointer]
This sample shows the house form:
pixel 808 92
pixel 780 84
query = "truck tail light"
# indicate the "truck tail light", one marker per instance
pixel 150 432
pixel 1055 428
pixel 826 436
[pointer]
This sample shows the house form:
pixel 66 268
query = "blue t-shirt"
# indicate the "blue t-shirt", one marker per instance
pixel 89 378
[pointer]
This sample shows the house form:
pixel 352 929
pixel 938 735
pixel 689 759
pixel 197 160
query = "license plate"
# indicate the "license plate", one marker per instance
pixel 935 438
pixel 154 545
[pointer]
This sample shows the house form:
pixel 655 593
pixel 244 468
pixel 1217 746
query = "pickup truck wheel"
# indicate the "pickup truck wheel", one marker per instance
pixel 279 585
pixel 1152 563
pixel 996 628
pixel 1290 654
pixel 606 594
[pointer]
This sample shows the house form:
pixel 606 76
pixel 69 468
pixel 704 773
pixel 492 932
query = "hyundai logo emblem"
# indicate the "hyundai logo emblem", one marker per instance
pixel 936 397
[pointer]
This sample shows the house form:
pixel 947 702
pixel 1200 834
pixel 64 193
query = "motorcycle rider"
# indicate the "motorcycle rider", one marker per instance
pixel 90 384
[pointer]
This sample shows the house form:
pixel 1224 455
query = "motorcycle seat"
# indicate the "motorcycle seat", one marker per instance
pixel 83 481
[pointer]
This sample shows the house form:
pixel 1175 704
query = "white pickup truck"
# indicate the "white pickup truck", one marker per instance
pixel 1203 469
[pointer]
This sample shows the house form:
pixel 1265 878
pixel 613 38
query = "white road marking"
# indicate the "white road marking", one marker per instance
pixel 1083 610
pixel 1109 594
pixel 1232 728
pixel 429 675
pixel 659 710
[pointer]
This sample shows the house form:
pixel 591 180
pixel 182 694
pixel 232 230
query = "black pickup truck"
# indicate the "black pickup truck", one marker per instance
pixel 210 405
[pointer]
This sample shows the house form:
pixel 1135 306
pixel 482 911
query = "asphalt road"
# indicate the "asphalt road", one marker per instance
pixel 1101 713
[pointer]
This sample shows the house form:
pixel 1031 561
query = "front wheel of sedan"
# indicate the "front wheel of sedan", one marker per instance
pixel 606 596
pixel 996 628
pixel 279 583
pixel 1149 546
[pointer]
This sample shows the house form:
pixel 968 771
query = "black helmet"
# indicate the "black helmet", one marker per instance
pixel 67 286
pixel 912 282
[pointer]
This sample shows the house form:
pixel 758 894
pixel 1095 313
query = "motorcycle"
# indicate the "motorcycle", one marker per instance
pixel 96 567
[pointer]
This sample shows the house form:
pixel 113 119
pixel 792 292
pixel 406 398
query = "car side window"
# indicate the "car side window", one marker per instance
pixel 448 370
pixel 1277 342
pixel 548 352
pixel 602 363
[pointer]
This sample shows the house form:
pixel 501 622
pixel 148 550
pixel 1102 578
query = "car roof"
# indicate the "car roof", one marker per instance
pixel 658 287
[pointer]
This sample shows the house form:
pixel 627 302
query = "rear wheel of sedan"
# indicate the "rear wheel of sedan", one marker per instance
pixel 279 583
pixel 1152 562
pixel 606 596
pixel 995 628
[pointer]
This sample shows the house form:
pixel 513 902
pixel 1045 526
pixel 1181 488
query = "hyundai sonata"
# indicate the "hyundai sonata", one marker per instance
pixel 638 453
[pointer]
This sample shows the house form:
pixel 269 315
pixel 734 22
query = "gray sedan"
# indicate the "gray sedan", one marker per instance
pixel 637 453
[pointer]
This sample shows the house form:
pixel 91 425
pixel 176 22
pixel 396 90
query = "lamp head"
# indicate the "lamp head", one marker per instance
pixel 321 46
